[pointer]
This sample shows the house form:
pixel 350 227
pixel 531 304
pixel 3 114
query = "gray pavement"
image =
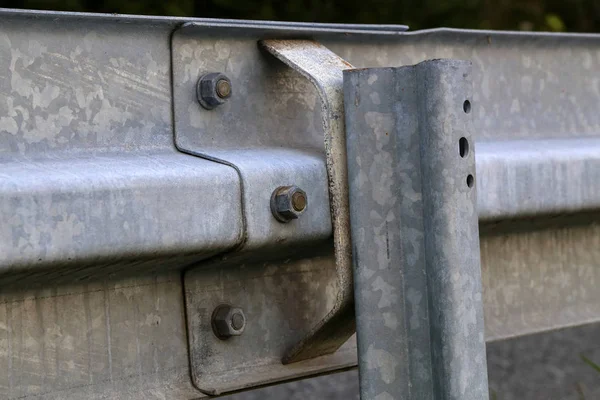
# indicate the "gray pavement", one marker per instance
pixel 546 366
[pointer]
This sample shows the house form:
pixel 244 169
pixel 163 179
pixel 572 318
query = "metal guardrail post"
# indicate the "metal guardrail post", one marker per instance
pixel 414 231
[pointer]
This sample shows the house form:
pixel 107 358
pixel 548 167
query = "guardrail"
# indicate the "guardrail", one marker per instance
pixel 130 212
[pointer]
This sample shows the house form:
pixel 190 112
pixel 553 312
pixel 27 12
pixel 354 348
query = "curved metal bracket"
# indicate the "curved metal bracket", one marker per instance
pixel 323 68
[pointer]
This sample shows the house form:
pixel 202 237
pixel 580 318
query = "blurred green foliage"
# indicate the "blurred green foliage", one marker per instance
pixel 590 363
pixel 545 15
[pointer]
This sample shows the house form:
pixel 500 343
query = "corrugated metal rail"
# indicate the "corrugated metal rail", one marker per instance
pixel 129 212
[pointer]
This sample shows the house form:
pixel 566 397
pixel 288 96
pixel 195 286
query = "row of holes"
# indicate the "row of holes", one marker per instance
pixel 463 145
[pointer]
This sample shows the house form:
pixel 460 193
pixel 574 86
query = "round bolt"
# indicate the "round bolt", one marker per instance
pixel 299 201
pixel 288 203
pixel 213 89
pixel 223 88
pixel 237 321
pixel 228 321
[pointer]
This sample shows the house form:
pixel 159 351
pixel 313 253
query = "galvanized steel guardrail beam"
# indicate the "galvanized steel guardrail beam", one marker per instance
pixel 94 183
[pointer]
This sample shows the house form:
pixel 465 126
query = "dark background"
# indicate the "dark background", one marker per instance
pixel 539 15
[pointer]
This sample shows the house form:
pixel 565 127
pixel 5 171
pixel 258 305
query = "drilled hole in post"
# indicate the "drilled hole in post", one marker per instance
pixel 467 106
pixel 463 147
pixel 470 181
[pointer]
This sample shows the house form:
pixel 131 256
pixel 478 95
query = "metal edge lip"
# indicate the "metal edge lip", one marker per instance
pixel 206 22
pixel 476 33
pixel 326 31
pixel 274 29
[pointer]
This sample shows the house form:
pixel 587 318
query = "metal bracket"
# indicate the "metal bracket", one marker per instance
pixel 323 69
pixel 240 133
pixel 280 299
pixel 266 130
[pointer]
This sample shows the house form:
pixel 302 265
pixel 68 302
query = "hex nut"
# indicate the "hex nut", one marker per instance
pixel 213 89
pixel 288 203
pixel 228 321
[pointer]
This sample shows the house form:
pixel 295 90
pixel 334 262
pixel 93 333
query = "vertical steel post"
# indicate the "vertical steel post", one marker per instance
pixel 415 232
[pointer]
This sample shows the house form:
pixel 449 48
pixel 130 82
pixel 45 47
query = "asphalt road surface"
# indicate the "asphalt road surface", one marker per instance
pixel 547 366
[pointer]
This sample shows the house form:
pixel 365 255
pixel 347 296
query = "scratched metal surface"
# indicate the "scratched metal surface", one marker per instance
pixel 240 134
pixel 74 86
pixel 90 208
pixel 534 98
pixel 274 323
pixel 45 339
pixel 117 98
pixel 89 171
pixel 540 278
pixel 526 85
pixel 105 339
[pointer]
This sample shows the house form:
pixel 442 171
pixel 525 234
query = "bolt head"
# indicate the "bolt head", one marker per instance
pixel 223 88
pixel 288 203
pixel 299 201
pixel 238 321
pixel 213 89
pixel 228 321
